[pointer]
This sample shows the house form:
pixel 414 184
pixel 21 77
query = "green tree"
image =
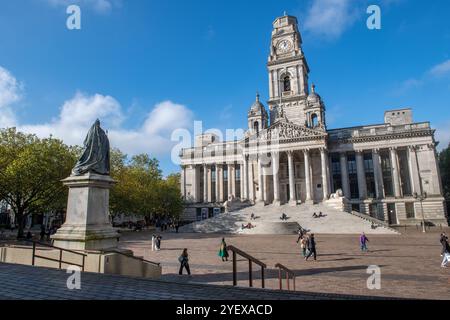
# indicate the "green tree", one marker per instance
pixel 444 165
pixel 141 189
pixel 31 170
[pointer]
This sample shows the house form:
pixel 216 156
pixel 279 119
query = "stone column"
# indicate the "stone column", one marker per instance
pixel 413 172
pixel 266 187
pixel 361 173
pixel 378 174
pixel 330 178
pixel 229 191
pixel 344 175
pixel 277 84
pixel 307 176
pixel 241 181
pixel 250 182
pixel 260 197
pixel 205 183
pixel 292 195
pixel 195 183
pixel 244 178
pixel 209 184
pixel 221 184
pixel 183 182
pixel 324 159
pixel 233 180
pixel 271 84
pixel 218 183
pixel 395 173
pixel 276 181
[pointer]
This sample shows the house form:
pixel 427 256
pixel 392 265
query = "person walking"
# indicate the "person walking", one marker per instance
pixel 184 262
pixel 158 243
pixel 300 234
pixel 153 242
pixel 445 251
pixel 444 242
pixel 223 252
pixel 363 242
pixel 311 248
pixel 303 245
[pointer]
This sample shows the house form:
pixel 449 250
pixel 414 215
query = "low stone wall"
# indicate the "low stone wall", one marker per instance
pixel 98 262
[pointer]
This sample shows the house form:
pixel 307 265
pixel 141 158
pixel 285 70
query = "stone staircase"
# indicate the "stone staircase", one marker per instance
pixel 268 221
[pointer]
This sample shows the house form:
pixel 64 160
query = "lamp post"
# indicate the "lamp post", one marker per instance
pixel 423 195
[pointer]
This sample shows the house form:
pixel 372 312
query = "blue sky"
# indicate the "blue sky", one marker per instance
pixel 149 67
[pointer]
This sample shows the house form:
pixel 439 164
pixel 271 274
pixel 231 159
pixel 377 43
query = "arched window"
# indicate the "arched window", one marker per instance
pixel 286 84
pixel 256 126
pixel 314 120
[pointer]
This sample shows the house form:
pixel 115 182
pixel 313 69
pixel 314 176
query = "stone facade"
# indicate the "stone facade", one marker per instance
pixel 289 157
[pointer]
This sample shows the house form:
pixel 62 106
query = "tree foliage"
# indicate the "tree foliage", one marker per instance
pixel 31 170
pixel 141 189
pixel 444 164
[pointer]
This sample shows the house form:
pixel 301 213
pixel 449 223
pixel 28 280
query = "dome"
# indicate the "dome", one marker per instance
pixel 257 107
pixel 313 97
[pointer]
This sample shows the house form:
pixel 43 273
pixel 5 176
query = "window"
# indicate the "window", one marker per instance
pixel 256 126
pixel 314 120
pixel 353 176
pixel 286 84
pixel 370 177
pixel 410 213
pixel 387 174
pixel 336 172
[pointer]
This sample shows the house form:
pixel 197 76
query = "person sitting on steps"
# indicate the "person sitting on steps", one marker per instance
pixel 315 215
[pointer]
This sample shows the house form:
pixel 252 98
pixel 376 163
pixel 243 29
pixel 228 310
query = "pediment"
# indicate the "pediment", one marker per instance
pixel 286 131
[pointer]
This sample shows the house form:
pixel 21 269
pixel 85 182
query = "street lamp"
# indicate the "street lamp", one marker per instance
pixel 423 195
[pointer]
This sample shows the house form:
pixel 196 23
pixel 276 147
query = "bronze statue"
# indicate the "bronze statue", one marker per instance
pixel 95 158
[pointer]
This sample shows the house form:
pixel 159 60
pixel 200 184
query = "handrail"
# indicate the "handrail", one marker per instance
pixel 136 258
pixel 60 260
pixel 250 261
pixel 289 273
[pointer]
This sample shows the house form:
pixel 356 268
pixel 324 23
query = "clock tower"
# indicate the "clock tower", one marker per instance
pixel 288 75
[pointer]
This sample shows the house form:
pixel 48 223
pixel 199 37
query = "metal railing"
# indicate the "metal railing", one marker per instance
pixel 251 260
pixel 289 274
pixel 133 257
pixel 60 261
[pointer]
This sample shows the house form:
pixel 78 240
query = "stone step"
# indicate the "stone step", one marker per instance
pixel 268 221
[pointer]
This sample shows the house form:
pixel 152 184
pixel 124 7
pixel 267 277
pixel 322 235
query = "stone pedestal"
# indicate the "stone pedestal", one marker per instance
pixel 87 225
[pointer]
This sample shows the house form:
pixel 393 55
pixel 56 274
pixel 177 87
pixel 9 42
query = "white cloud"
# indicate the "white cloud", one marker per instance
pixel 441 69
pixel 99 6
pixel 78 114
pixel 10 93
pixel 408 85
pixel 330 18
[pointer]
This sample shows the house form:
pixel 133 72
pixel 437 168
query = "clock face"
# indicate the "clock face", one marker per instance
pixel 284 46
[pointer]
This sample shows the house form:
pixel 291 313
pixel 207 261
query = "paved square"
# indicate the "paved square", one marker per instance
pixel 410 263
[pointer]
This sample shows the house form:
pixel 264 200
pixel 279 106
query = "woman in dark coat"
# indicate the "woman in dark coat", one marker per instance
pixel 184 262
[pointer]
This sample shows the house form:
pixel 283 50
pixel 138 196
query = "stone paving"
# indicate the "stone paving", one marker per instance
pixel 20 282
pixel 410 263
